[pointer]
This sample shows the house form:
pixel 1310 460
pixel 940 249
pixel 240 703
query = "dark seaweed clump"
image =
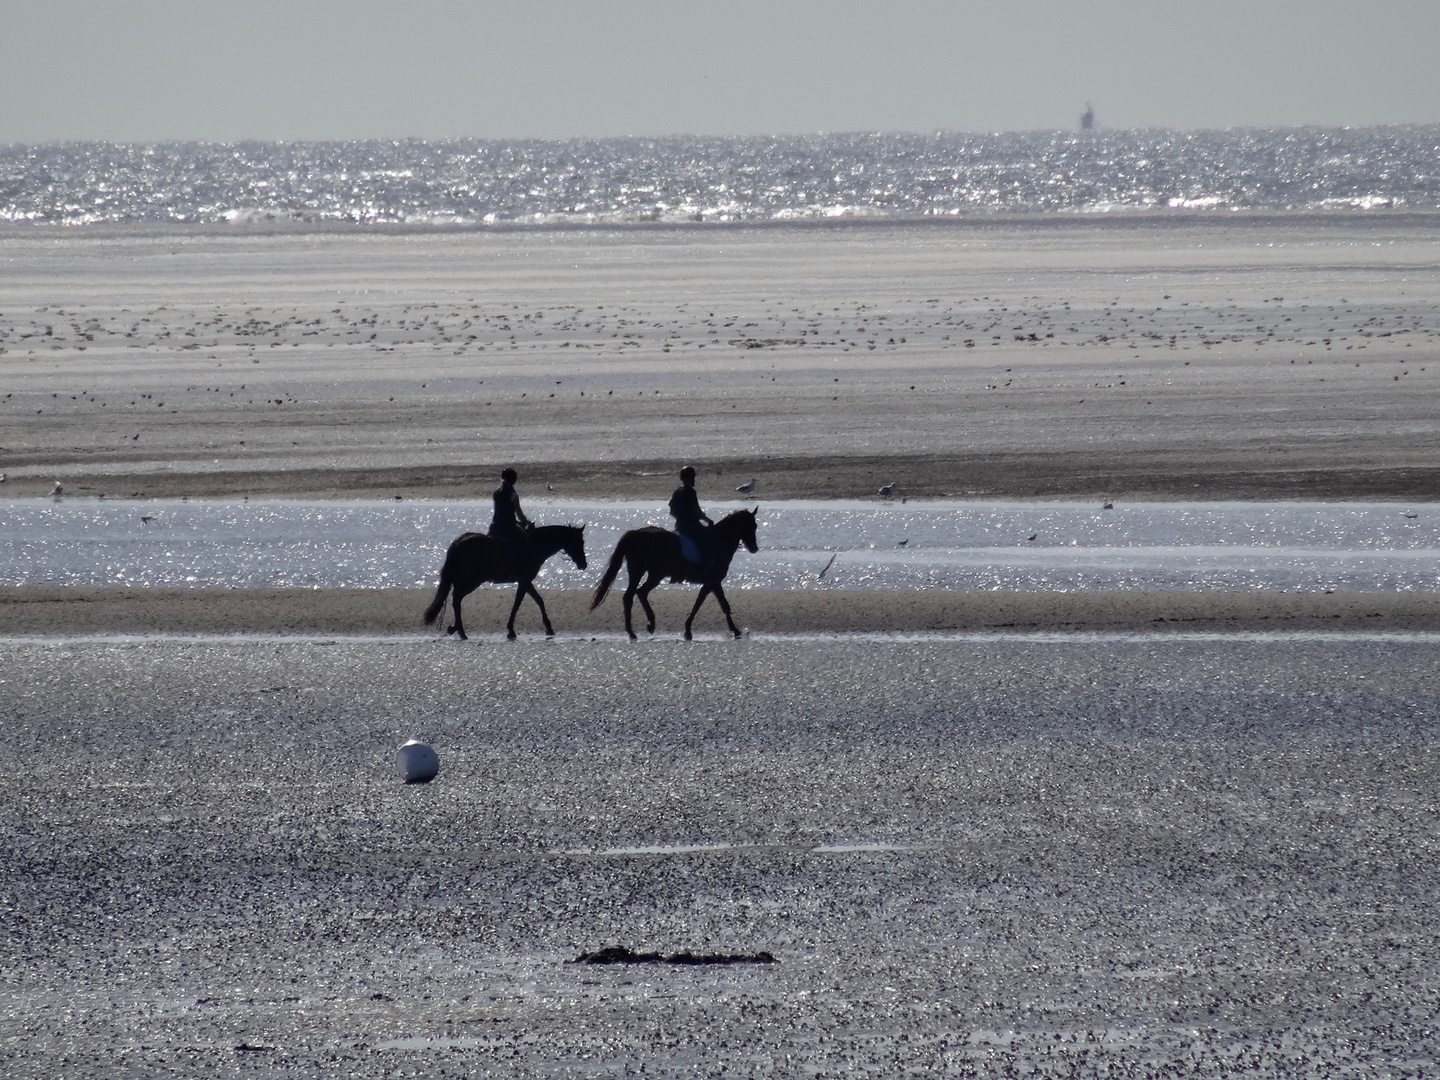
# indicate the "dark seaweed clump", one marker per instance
pixel 619 954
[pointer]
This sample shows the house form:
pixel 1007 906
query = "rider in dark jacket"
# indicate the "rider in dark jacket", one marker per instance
pixel 690 521
pixel 509 522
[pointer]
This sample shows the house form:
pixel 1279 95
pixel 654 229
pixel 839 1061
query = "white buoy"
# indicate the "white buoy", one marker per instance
pixel 418 762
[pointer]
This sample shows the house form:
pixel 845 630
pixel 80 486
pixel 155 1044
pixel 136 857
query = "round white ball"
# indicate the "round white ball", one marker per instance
pixel 418 762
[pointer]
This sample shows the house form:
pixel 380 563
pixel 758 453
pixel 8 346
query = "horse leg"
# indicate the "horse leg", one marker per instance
pixel 459 628
pixel 644 593
pixel 510 626
pixel 725 607
pixel 544 616
pixel 629 599
pixel 704 592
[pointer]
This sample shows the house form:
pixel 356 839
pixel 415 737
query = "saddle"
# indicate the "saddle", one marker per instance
pixel 516 541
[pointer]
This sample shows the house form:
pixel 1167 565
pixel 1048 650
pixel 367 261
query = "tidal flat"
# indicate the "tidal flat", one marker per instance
pixel 1043 855
pixel 1174 357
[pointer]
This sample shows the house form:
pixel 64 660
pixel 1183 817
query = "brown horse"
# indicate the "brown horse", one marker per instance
pixel 653 554
pixel 475 558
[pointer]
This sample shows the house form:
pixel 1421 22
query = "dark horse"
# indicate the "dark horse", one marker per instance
pixel 652 554
pixel 476 558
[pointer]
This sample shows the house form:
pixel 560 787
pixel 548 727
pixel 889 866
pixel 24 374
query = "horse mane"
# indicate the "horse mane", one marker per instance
pixel 734 515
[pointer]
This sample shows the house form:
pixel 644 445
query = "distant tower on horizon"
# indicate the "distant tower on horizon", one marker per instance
pixel 1087 120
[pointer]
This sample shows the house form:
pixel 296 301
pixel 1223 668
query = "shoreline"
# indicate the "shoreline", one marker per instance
pixel 43 610
pixel 1081 219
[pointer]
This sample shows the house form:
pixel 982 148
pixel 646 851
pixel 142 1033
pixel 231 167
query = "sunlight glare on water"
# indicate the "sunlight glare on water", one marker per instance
pixel 941 545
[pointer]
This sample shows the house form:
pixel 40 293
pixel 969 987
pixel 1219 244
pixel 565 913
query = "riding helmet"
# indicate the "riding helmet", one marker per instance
pixel 687 473
pixel 509 476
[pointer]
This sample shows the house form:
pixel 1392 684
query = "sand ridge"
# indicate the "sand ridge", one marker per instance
pixel 64 611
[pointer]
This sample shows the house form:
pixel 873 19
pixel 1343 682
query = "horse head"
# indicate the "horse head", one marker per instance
pixel 741 525
pixel 574 544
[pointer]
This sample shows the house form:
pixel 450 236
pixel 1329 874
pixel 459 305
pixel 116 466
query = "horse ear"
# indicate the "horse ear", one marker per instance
pixel 756 512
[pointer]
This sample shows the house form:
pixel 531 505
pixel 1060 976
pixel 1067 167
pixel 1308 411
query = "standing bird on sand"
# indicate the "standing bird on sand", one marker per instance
pixel 887 490
pixel 747 487
pixel 58 490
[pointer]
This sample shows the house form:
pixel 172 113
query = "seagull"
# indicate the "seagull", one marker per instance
pixel 747 487
pixel 549 486
pixel 59 490
pixel 903 542
pixel 2 477
pixel 1032 536
pixel 887 489
pixel 1109 506
pixel 145 519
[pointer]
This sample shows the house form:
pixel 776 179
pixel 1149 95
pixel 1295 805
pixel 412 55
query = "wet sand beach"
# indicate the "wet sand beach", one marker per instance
pixel 1086 857
pixel 62 611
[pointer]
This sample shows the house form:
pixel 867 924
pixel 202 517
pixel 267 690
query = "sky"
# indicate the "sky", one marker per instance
pixel 151 70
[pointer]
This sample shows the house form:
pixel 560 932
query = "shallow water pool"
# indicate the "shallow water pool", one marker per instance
pixel 944 545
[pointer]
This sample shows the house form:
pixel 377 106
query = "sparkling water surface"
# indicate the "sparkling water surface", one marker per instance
pixel 940 545
pixel 690 178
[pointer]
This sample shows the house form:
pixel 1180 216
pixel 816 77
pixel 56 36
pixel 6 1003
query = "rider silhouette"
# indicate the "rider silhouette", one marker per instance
pixel 509 522
pixel 691 522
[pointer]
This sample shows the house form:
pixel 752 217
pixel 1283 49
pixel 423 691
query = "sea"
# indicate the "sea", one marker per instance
pixel 692 179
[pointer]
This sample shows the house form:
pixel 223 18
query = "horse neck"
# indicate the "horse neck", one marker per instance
pixel 729 529
pixel 548 539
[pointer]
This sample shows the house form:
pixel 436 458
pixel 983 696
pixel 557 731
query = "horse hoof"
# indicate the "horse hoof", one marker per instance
pixel 449 630
pixel 549 632
pixel 464 636
pixel 632 636
pixel 510 636
pixel 688 637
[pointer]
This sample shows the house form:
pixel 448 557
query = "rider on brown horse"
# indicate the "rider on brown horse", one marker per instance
pixel 691 522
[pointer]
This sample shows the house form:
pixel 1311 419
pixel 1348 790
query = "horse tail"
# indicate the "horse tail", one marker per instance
pixel 608 578
pixel 443 590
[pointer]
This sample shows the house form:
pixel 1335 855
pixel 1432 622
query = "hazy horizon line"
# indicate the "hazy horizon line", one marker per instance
pixel 870 132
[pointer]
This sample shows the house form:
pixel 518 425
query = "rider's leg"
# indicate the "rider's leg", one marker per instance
pixel 707 551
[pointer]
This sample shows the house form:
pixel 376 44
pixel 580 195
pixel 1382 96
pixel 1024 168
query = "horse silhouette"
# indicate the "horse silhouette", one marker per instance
pixel 653 554
pixel 476 558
